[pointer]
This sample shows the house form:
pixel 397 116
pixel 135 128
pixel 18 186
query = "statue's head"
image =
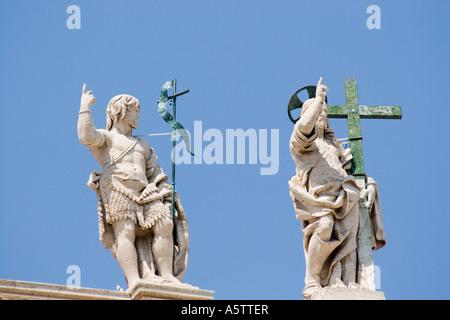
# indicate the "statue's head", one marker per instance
pixel 118 108
pixel 322 121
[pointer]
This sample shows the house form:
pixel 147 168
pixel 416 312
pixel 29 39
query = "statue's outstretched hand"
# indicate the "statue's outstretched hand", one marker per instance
pixel 87 99
pixel 321 90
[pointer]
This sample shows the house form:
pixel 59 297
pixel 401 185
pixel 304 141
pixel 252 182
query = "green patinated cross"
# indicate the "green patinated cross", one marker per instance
pixel 353 112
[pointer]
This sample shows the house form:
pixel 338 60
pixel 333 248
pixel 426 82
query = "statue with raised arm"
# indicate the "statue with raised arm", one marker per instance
pixel 134 197
pixel 327 199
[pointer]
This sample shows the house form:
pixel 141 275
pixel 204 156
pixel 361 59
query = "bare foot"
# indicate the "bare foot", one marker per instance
pixel 171 278
pixel 310 290
pixel 354 285
pixel 153 278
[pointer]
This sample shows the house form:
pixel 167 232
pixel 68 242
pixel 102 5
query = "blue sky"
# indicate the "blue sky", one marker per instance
pixel 241 61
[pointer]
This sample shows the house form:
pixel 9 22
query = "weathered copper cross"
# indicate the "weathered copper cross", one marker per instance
pixel 353 112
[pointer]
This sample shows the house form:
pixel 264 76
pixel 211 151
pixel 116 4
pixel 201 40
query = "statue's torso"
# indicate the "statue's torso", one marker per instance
pixel 122 167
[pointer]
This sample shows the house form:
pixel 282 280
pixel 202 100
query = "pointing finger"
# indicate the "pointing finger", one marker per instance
pixel 320 82
pixel 84 87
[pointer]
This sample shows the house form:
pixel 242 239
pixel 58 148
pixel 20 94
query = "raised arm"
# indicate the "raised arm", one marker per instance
pixel 308 120
pixel 86 130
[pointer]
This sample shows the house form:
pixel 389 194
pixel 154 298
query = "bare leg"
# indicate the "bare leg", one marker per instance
pixel 145 259
pixel 144 256
pixel 163 248
pixel 125 250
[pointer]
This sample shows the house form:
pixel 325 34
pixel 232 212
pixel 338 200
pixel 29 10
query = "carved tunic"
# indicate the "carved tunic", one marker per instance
pixel 132 185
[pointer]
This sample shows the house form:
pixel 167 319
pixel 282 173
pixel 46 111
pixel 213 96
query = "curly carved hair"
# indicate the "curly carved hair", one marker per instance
pixel 118 107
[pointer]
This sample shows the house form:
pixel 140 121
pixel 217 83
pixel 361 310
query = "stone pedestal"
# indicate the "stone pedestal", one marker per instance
pixel 328 293
pixel 23 290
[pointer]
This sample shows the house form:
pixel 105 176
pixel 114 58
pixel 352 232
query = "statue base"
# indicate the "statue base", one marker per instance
pixel 330 293
pixel 24 290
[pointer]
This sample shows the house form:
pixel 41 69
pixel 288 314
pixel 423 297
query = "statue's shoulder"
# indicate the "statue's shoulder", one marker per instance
pixel 105 133
pixel 142 142
pixel 110 136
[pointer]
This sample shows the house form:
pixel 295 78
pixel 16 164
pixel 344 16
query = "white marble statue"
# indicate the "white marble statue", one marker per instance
pixel 327 199
pixel 134 198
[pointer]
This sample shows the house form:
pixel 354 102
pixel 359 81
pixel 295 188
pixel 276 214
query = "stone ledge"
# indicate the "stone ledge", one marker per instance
pixel 150 291
pixel 24 290
pixel 329 293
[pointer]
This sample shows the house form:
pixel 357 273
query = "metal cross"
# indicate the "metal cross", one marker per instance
pixel 353 112
pixel 176 126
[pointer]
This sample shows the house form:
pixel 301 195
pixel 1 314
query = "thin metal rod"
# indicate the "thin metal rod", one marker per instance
pixel 178 94
pixel 172 207
pixel 154 134
pixel 344 141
